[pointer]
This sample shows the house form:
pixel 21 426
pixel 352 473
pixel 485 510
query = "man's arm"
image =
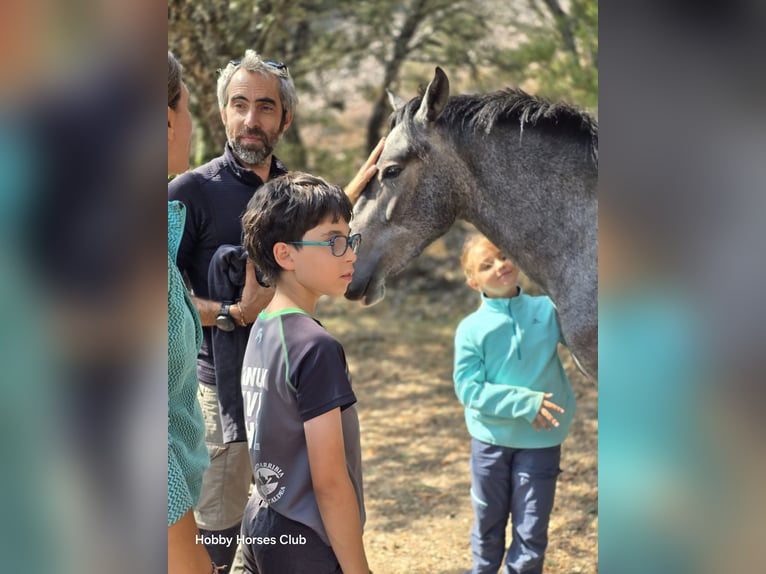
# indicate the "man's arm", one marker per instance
pixel 206 309
pixel 334 492
pixel 245 311
pixel 254 298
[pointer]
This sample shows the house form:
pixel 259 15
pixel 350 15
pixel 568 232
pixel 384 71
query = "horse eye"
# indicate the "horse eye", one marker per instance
pixel 391 171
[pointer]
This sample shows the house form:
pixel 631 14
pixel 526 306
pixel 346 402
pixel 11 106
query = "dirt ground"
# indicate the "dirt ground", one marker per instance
pixel 415 445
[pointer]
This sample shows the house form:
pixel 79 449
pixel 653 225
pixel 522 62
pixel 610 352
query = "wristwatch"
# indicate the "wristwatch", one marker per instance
pixel 223 320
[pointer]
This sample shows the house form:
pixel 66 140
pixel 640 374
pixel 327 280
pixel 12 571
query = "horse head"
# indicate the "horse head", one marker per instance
pixel 407 204
pixel 520 168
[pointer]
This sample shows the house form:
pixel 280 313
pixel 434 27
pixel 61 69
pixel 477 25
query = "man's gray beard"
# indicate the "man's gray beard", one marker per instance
pixel 250 156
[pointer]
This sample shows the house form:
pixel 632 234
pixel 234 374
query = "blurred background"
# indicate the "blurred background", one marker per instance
pixel 679 93
pixel 681 204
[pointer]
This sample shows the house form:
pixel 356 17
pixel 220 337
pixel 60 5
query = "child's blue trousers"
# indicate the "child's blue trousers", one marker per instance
pixel 520 483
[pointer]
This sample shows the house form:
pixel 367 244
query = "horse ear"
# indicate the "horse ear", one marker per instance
pixel 434 99
pixel 395 101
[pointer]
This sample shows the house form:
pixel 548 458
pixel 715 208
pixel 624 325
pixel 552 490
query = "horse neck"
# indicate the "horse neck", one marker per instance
pixel 535 199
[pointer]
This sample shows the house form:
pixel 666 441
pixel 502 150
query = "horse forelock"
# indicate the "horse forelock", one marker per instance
pixel 404 113
pixel 417 142
pixel 482 112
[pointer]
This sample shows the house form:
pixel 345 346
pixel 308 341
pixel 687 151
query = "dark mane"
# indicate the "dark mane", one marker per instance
pixel 511 105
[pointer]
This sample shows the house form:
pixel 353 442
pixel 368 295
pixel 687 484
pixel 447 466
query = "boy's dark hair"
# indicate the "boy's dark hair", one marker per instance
pixel 284 209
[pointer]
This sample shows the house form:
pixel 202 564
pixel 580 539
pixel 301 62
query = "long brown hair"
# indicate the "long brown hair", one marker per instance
pixel 174 81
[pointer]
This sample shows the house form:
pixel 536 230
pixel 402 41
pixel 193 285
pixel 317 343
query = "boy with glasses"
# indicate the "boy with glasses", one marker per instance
pixel 307 511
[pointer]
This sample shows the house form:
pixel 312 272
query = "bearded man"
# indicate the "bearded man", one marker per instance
pixel 257 102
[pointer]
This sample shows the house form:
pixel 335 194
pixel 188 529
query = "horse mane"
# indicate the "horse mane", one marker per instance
pixel 510 105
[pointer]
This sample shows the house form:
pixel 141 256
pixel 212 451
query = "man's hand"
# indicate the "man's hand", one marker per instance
pixel 544 418
pixel 254 298
pixel 356 186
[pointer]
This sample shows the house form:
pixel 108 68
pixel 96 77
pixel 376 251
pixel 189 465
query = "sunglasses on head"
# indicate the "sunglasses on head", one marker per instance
pixel 280 67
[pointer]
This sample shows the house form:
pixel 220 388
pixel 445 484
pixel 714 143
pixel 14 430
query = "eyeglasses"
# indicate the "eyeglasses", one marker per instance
pixel 281 68
pixel 338 244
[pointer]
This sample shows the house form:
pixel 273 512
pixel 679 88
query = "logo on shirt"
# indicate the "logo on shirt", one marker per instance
pixel 267 477
pixel 535 321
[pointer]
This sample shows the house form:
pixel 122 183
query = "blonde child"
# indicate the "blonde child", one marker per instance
pixel 518 409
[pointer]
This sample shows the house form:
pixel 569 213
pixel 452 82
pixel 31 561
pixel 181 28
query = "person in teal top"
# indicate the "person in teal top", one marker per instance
pixel 187 453
pixel 519 407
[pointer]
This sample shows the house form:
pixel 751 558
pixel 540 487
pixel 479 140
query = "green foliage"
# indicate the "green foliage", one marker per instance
pixel 559 70
pixel 341 51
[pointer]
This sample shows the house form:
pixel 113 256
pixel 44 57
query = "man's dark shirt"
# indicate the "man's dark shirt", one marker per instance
pixel 216 196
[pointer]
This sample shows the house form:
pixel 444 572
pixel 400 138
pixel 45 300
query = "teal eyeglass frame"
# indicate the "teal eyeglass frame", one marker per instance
pixel 351 241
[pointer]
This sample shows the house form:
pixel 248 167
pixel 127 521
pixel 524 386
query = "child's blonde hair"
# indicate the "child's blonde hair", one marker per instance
pixel 472 242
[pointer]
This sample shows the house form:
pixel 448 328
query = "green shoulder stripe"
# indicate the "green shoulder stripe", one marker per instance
pixel 288 311
pixel 284 346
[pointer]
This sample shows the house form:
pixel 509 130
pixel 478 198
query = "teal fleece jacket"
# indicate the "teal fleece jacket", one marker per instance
pixel 187 453
pixel 505 360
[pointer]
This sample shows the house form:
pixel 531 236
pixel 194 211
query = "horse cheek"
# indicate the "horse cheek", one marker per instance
pixel 389 212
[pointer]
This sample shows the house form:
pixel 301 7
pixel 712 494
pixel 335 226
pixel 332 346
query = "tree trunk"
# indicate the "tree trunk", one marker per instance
pixel 391 71
pixel 564 27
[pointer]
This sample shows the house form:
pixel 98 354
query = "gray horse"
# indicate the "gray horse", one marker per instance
pixel 521 169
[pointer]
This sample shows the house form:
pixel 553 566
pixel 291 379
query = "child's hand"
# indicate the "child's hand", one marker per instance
pixel 544 418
